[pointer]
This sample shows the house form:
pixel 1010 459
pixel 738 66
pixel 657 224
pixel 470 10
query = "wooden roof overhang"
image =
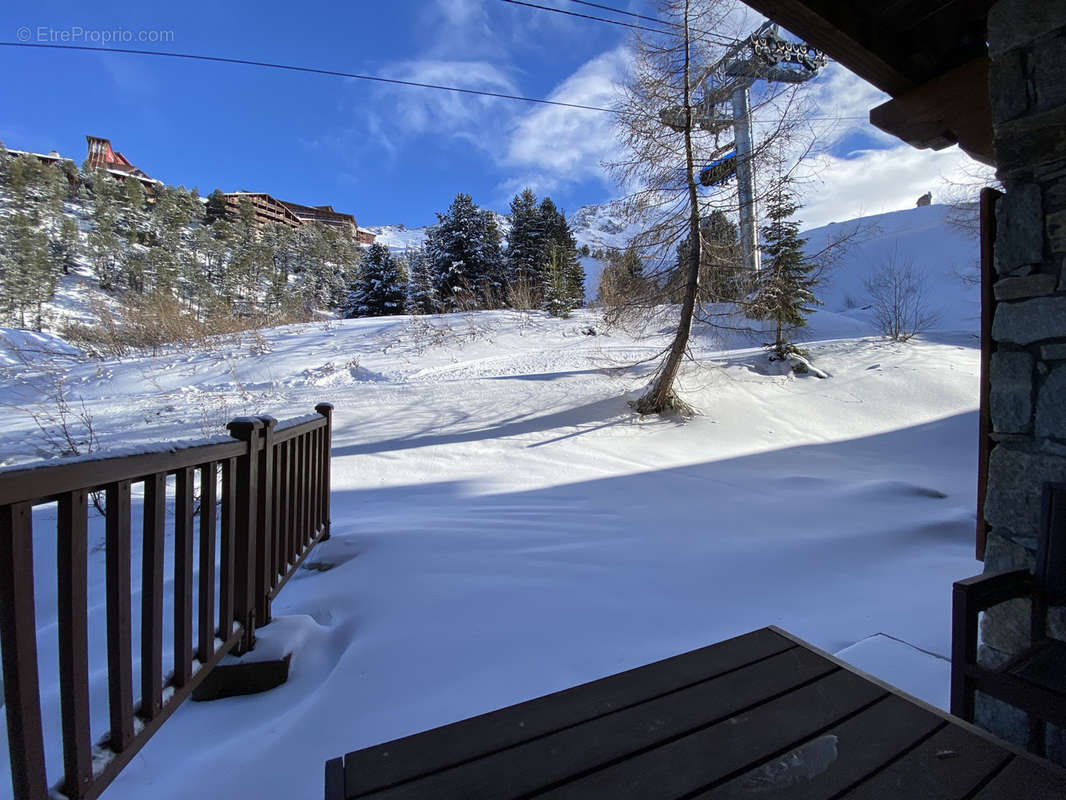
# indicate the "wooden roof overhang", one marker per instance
pixel 930 55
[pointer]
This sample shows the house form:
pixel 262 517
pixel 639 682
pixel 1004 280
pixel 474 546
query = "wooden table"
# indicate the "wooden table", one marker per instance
pixel 764 715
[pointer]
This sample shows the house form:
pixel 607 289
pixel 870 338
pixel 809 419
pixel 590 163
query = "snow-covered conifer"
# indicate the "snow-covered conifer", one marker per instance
pixel 783 294
pixel 379 290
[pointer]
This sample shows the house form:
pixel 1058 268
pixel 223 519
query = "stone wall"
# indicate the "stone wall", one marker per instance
pixel 1027 46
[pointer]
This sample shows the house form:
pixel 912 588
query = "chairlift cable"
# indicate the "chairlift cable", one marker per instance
pixel 338 74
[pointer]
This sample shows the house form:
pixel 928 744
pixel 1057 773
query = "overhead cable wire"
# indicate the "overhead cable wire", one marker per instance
pixel 722 38
pixel 587 16
pixel 332 73
pixel 312 70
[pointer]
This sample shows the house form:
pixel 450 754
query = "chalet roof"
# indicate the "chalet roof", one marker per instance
pixel 931 57
pixel 319 212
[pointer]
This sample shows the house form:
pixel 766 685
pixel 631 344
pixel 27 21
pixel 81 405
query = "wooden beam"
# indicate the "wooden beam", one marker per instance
pixel 838 30
pixel 953 108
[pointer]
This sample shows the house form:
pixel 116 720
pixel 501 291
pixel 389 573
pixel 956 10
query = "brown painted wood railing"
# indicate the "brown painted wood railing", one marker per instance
pixel 272 481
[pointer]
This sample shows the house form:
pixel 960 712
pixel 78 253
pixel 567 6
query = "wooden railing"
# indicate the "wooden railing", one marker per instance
pixel 263 504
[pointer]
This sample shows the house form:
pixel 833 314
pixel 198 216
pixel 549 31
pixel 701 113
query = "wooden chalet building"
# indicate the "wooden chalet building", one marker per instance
pixel 103 156
pixel 267 210
pixel 326 216
pixel 270 210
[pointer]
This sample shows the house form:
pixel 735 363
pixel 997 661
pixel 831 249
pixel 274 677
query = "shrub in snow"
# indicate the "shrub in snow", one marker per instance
pixel 898 298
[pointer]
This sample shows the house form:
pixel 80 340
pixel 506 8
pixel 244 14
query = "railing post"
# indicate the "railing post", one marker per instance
pixel 18 632
pixel 247 429
pixel 326 410
pixel 264 529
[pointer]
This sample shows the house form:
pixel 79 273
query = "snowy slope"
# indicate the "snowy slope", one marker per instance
pixel 505 527
pixel 946 255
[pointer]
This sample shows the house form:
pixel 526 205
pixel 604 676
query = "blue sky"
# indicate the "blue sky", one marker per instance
pixel 387 154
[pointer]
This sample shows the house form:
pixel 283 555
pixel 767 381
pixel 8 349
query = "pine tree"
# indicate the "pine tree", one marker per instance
pixel 721 270
pixel 784 292
pixel 105 248
pixel 379 289
pixel 166 226
pixel 65 246
pixel 453 248
pixel 26 269
pixel 215 209
pixel 490 271
pixel 557 300
pixel 525 250
pixel 574 275
pixel 421 295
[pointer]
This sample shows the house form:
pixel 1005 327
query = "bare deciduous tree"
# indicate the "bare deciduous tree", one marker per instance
pixel 666 138
pixel 898 294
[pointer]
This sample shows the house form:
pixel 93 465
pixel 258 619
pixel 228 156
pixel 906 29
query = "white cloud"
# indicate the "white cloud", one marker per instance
pixel 551 146
pixel 400 113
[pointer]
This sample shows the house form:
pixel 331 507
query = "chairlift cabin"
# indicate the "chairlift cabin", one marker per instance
pixel 720 170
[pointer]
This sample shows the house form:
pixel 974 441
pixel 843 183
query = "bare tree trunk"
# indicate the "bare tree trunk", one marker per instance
pixel 661 394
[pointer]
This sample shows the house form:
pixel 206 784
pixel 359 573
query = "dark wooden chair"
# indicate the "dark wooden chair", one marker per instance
pixel 1033 681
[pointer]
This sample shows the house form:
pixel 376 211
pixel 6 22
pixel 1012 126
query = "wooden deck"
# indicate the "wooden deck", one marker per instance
pixel 764 715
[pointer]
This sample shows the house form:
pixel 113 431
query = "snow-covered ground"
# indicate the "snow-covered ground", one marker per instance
pixel 504 526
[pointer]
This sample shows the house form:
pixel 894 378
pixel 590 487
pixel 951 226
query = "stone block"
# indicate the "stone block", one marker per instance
pixel 1030 321
pixel 1002 553
pixel 1013 23
pixel 1051 405
pixel 1053 352
pixel 1031 143
pixel 1015 478
pixel 1054 193
pixel 1019 227
pixel 1028 286
pixel 1002 719
pixel 252 677
pixel 1048 66
pixel 1056 623
pixel 1011 396
pixel 990 658
pixel 1005 627
pixel 1055 744
pixel 1056 232
pixel 1008 87
pixel 1053 447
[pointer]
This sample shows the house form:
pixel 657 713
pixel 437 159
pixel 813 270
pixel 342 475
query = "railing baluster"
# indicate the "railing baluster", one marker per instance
pixel 292 493
pixel 244 602
pixel 326 410
pixel 183 519
pixel 208 480
pixel 280 567
pixel 316 477
pixel 308 458
pixel 72 613
pixel 264 520
pixel 301 483
pixel 155 509
pixel 119 646
pixel 18 639
pixel 309 472
pixel 226 548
